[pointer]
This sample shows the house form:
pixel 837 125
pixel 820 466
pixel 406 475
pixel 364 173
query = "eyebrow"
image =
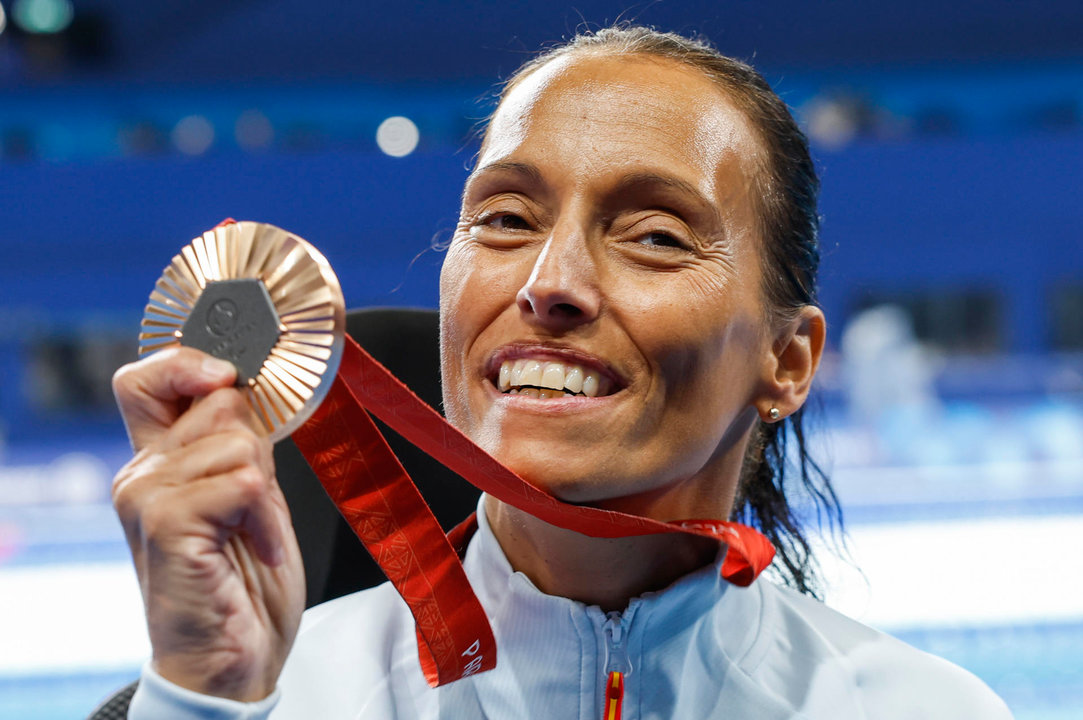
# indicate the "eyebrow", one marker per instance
pixel 532 174
pixel 638 181
pixel 650 181
pixel 518 167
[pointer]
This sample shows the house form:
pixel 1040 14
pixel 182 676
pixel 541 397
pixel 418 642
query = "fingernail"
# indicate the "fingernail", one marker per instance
pixel 216 368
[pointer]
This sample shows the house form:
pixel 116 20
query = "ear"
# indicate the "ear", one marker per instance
pixel 792 361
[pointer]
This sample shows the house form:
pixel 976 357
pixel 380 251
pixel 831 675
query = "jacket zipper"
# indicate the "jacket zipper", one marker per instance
pixel 617 666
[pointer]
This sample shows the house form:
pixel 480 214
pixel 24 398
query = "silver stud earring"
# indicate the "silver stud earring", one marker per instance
pixel 774 413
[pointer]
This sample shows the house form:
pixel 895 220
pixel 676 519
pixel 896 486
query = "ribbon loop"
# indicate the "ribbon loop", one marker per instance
pixel 387 513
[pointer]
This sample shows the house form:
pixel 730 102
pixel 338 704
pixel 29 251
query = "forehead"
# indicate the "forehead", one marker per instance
pixel 624 110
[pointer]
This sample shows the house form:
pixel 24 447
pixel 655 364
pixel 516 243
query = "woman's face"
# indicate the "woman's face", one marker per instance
pixel 603 328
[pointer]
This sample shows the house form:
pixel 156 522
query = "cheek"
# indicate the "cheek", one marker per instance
pixel 705 339
pixel 707 376
pixel 475 289
pixel 691 367
pixel 454 282
pixel 451 285
pixel 478 283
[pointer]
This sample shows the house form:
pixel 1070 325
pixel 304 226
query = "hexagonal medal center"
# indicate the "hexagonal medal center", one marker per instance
pixel 234 320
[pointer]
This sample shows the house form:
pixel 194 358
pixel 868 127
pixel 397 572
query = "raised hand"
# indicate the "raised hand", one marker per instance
pixel 208 527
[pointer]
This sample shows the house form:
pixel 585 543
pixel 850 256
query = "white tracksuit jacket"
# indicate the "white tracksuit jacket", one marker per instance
pixel 698 650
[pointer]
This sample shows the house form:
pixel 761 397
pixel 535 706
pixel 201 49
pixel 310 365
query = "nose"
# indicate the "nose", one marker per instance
pixel 562 291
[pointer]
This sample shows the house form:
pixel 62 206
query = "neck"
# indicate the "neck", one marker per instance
pixel 607 572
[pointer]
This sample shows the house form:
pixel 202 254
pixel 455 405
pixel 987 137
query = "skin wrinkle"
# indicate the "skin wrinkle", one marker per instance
pixel 715 140
pixel 585 160
pixel 508 129
pixel 685 194
pixel 635 184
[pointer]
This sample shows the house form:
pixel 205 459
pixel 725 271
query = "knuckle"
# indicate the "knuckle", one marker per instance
pixel 128 378
pixel 244 446
pixel 121 490
pixel 123 500
pixel 250 481
pixel 124 381
pixel 121 480
pixel 226 406
pixel 130 484
pixel 157 520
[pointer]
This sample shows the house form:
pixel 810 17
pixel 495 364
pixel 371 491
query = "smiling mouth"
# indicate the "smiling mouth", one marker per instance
pixel 547 379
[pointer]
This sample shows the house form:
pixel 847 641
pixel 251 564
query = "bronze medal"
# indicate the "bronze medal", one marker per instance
pixel 263 299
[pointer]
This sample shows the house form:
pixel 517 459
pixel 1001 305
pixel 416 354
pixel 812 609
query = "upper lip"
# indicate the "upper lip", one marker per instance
pixel 551 351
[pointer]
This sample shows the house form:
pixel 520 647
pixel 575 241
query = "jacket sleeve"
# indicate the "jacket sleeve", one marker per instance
pixel 157 698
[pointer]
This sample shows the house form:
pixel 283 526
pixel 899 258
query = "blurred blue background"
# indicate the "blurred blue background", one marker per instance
pixel 950 142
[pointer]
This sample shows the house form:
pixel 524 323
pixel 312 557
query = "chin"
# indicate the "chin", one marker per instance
pixel 565 467
pixel 569 482
pixel 575 491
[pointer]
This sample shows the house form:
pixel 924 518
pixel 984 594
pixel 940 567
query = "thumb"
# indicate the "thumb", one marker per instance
pixel 153 392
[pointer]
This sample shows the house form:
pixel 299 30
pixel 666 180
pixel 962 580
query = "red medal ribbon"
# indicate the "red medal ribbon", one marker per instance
pixel 380 502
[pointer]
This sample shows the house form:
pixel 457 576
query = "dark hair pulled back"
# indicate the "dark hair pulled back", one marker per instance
pixel 786 191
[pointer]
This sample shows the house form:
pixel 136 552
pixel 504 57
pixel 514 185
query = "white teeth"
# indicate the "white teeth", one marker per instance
pixel 553 376
pixel 532 374
pixel 590 384
pixel 549 379
pixel 573 379
pixel 517 372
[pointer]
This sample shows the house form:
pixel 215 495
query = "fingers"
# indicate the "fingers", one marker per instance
pixel 213 440
pixel 216 454
pixel 213 437
pixel 223 410
pixel 207 525
pixel 153 392
pixel 222 453
pixel 241 501
pixel 205 493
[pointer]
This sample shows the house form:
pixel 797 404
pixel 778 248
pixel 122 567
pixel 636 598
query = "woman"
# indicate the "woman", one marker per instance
pixel 627 318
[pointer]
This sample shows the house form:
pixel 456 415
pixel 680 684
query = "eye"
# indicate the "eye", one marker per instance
pixel 504 221
pixel 661 239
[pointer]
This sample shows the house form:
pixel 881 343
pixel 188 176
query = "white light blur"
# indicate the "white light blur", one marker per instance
pixel 397 136
pixel 193 135
pixel 42 16
pixel 3 20
pixel 253 130
pixel 43 633
pixel 943 574
pixel 830 123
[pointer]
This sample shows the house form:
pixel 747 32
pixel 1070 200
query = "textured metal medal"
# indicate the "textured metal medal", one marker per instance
pixel 263 299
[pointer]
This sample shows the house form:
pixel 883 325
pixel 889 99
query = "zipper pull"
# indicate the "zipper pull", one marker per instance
pixel 617 666
pixel 616 655
pixel 614 696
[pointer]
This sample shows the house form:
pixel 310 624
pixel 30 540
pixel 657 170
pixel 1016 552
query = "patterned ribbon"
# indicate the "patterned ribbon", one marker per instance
pixel 383 506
